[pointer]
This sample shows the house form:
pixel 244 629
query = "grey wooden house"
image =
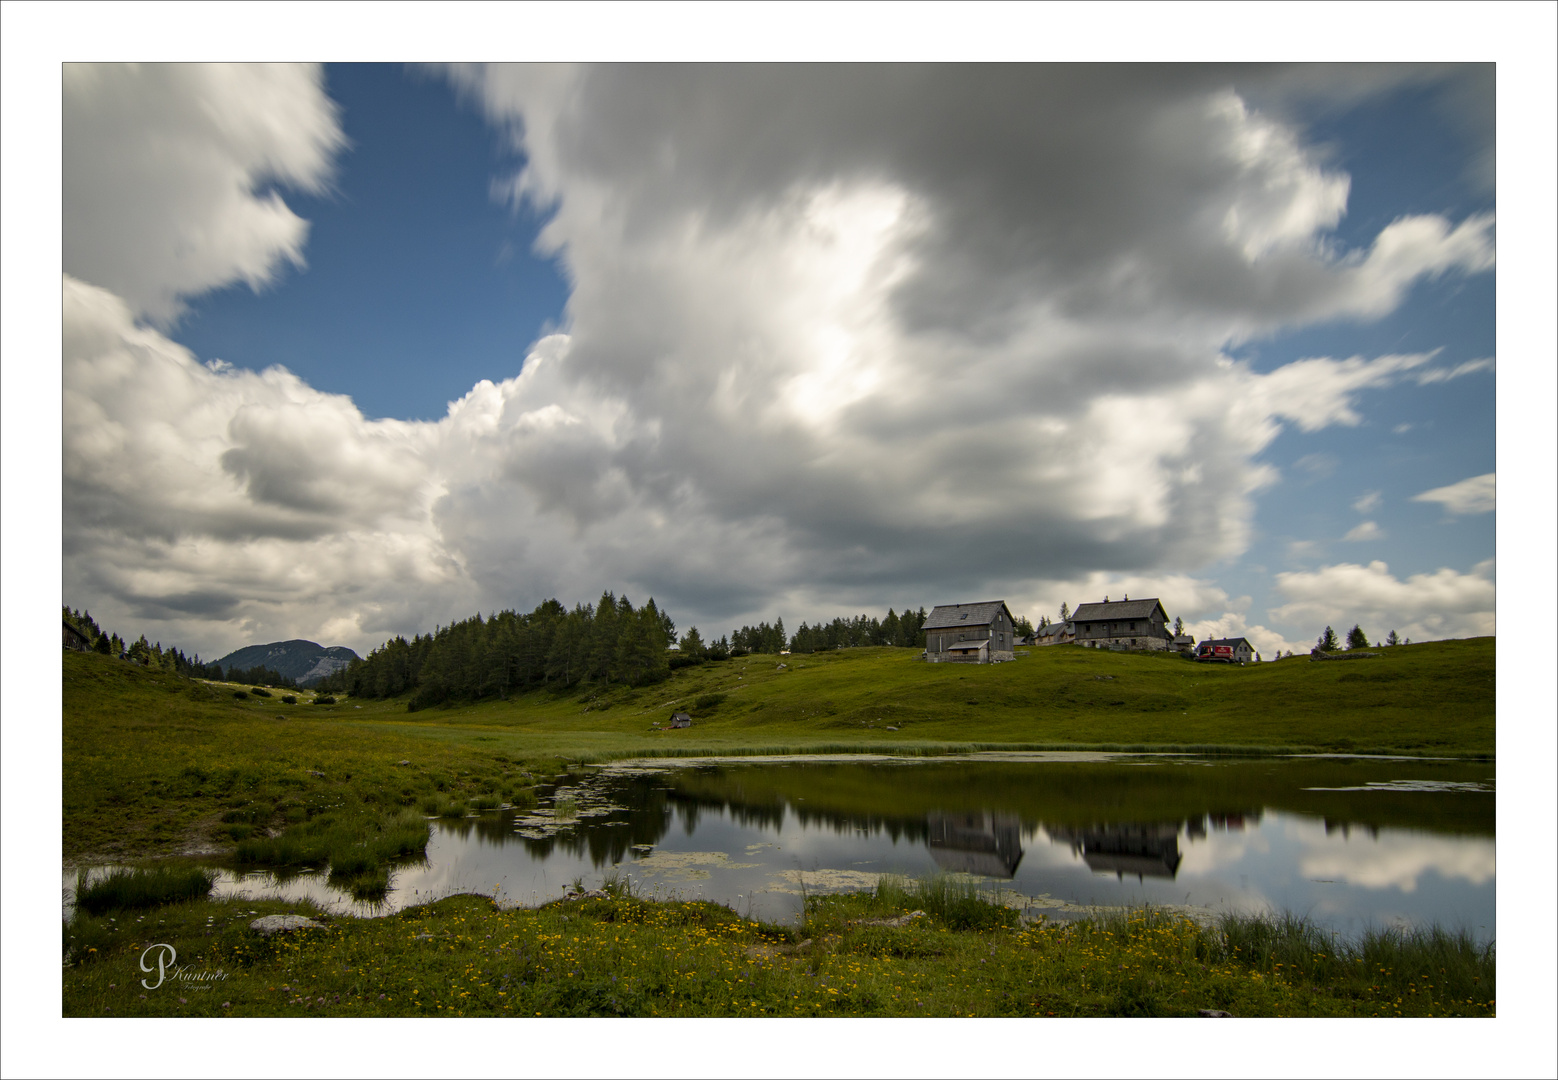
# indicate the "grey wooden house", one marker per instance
pixel 1123 624
pixel 1233 650
pixel 1055 633
pixel 970 633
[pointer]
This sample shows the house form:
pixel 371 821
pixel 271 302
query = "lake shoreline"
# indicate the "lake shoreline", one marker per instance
pixel 877 953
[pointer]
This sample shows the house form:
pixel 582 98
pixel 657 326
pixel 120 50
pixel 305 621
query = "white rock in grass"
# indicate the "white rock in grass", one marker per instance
pixel 277 924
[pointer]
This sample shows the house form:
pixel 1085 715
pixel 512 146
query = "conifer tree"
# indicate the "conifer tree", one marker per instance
pixel 1356 638
pixel 692 644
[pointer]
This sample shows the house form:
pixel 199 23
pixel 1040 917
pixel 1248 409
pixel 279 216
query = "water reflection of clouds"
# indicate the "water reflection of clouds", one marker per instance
pixel 1396 859
pixel 761 852
pixel 1220 850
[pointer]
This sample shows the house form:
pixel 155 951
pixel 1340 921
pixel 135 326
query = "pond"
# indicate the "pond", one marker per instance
pixel 1350 842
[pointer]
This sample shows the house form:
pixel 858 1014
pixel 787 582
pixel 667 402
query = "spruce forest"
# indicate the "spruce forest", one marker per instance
pixel 610 641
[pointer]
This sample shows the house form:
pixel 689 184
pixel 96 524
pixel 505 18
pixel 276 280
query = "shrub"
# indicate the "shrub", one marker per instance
pixel 288 699
pixel 240 693
pixel 324 700
pixel 260 691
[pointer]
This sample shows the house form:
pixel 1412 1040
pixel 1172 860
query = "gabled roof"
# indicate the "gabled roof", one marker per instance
pixel 1117 609
pixel 943 616
pixel 1232 642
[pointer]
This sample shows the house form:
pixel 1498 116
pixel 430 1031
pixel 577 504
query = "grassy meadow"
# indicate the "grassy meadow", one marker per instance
pixel 157 765
pixel 936 949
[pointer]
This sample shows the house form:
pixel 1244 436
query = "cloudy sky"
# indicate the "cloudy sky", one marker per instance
pixel 350 351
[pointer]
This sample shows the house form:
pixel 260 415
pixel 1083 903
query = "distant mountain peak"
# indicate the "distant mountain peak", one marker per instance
pixel 305 662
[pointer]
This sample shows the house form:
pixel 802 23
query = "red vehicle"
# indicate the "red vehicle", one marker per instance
pixel 1219 653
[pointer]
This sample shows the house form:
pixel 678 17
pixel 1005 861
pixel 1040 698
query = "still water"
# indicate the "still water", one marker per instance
pixel 1350 842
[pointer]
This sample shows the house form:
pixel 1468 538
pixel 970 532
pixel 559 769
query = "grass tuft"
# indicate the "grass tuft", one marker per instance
pixel 127 890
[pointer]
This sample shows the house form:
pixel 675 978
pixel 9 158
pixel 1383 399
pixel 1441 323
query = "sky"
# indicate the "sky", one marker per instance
pixel 356 350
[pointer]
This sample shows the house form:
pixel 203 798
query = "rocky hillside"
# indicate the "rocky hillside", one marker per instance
pixel 306 662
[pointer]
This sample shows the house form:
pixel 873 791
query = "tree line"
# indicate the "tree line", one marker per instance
pixel 152 654
pixel 1356 639
pixel 904 630
pixel 610 641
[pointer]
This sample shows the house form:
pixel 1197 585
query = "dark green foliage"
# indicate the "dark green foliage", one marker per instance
pixel 260 691
pixel 1327 641
pixel 288 699
pixel 143 652
pixel 692 645
pixel 124 890
pixel 707 703
pixel 243 694
pixel 324 699
pixel 904 630
pixel 1356 638
pixel 608 642
pixel 761 638
pixel 255 676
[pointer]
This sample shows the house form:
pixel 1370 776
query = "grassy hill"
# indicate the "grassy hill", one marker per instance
pixel 154 763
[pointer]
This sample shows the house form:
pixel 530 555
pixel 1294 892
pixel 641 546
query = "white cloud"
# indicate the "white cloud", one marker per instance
pixel 1438 375
pixel 168 170
pixel 1366 502
pixel 1474 495
pixel 1365 530
pixel 1443 604
pixel 1234 624
pixel 811 352
pixel 1319 392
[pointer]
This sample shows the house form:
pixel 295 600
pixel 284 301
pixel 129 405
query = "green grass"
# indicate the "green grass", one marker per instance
pixel 132 889
pixel 154 764
pixel 358 846
pixel 627 956
pixel 958 902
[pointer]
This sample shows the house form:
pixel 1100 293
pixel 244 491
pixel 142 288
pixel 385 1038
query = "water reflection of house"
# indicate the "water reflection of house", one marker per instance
pixel 984 843
pixel 1143 850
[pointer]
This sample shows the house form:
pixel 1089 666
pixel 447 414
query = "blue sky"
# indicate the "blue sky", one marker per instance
pixel 1206 334
pixel 419 283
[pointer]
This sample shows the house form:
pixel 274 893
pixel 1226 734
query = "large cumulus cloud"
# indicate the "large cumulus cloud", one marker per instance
pixel 168 170
pixel 839 337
